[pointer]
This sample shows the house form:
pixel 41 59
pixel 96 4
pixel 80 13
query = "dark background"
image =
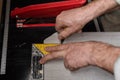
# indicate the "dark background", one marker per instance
pixel 21 39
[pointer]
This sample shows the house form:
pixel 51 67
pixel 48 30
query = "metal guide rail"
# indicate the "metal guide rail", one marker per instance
pixel 5 40
pixel 37 69
pixel 37 72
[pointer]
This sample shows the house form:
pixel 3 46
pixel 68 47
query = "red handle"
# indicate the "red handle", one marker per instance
pixel 36 25
pixel 46 10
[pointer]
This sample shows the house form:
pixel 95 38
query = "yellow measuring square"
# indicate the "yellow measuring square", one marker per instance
pixel 41 47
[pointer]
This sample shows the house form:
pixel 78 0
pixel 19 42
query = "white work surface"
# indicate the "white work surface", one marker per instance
pixel 55 70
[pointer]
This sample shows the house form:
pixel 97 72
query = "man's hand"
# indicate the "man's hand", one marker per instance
pixel 77 55
pixel 72 21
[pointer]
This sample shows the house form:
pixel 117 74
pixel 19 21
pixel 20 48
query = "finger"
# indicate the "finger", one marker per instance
pixel 56 48
pixel 59 26
pixel 54 55
pixel 71 68
pixel 79 31
pixel 66 64
pixel 66 32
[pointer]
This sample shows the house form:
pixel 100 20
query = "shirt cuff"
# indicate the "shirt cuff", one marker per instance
pixel 118 1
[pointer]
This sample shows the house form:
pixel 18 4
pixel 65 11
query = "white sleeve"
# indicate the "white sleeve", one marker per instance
pixel 118 1
pixel 117 69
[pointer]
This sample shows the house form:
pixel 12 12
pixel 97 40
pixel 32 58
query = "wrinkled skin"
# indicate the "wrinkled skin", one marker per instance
pixel 77 55
pixel 72 21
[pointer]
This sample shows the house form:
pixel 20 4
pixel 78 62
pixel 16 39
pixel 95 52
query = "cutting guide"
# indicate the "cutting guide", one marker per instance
pixel 37 72
pixel 37 69
pixel 5 40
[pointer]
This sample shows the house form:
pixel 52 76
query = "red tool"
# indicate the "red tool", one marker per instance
pixel 46 10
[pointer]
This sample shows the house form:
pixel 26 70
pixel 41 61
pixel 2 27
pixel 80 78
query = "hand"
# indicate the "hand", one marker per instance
pixel 72 21
pixel 77 55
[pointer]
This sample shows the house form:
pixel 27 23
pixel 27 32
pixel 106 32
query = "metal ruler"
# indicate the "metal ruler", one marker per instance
pixel 5 39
